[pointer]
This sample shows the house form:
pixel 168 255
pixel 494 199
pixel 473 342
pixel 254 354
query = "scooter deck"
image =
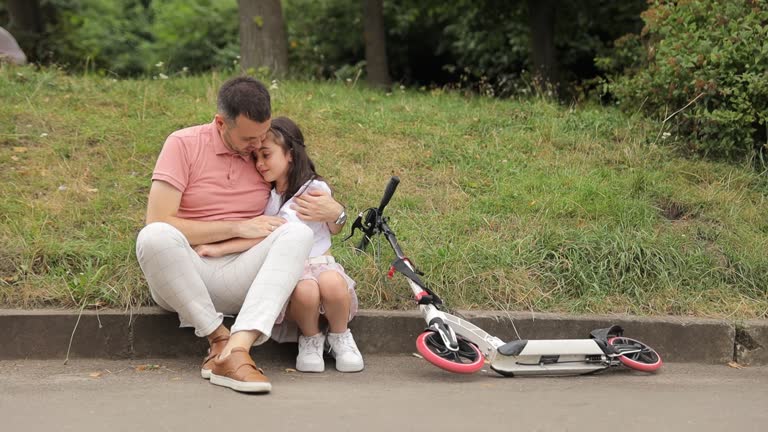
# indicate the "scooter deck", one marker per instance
pixel 549 357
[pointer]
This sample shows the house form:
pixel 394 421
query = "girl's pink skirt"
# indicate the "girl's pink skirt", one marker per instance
pixel 287 331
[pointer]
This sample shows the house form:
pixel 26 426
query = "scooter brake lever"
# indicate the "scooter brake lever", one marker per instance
pixel 358 224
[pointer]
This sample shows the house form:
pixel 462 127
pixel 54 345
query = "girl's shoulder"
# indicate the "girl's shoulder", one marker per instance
pixel 273 205
pixel 317 185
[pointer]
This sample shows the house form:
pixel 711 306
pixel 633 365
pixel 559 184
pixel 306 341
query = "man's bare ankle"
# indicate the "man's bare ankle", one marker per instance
pixel 242 339
pixel 228 350
pixel 219 332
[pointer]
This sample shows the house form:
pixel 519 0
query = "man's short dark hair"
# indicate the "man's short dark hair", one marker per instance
pixel 247 96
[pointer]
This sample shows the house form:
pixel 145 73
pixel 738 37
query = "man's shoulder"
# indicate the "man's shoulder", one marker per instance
pixel 190 143
pixel 193 134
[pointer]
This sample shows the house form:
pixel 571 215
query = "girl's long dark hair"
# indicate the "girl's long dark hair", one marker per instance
pixel 289 137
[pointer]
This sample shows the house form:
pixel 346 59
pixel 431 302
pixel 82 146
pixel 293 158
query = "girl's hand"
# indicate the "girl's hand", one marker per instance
pixel 208 250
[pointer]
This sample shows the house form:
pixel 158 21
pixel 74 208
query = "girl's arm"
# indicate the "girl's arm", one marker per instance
pixel 226 247
pixel 334 228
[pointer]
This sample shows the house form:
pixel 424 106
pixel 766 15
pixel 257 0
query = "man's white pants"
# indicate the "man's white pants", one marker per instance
pixel 254 284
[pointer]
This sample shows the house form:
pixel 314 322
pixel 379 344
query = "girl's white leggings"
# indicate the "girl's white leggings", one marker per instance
pixel 254 285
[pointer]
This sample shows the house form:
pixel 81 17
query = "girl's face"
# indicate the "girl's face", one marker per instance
pixel 273 162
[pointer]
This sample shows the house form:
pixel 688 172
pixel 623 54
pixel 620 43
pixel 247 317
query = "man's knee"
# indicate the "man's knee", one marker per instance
pixel 157 235
pixel 298 232
pixel 298 229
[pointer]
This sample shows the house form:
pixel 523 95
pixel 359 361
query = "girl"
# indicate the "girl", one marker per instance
pixel 324 288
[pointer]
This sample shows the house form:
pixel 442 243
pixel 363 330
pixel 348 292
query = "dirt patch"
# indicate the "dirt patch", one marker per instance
pixel 675 210
pixel 8 267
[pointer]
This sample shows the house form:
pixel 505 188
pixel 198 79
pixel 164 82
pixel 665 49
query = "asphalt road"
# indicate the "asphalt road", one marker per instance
pixel 394 393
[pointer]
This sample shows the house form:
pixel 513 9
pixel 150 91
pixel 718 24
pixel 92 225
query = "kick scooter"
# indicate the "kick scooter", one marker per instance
pixel 456 345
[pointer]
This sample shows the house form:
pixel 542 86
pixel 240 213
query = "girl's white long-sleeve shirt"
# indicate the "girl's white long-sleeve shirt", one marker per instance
pixel 322 234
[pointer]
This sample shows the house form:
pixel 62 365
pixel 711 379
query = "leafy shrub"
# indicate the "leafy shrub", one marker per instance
pixel 324 36
pixel 490 40
pixel 478 44
pixel 713 52
pixel 102 35
pixel 198 35
pixel 131 37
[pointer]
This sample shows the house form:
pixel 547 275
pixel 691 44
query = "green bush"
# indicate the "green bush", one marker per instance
pixel 481 45
pixel 325 37
pixel 139 37
pixel 478 44
pixel 101 35
pixel 713 52
pixel 194 35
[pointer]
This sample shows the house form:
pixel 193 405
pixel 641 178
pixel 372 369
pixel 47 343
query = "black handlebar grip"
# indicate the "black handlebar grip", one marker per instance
pixel 388 192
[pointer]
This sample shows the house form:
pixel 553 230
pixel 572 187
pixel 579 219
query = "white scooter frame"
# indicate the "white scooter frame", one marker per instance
pixel 457 345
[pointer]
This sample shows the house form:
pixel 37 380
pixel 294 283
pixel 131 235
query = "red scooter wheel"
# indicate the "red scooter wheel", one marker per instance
pixel 639 356
pixel 468 359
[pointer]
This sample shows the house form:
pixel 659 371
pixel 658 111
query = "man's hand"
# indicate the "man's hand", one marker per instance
pixel 208 250
pixel 258 227
pixel 316 206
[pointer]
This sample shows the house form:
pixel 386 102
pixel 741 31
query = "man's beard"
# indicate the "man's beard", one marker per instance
pixel 228 143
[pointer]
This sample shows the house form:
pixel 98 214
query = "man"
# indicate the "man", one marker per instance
pixel 10 50
pixel 205 189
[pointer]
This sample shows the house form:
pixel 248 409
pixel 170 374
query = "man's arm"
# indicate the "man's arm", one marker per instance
pixel 163 205
pixel 226 247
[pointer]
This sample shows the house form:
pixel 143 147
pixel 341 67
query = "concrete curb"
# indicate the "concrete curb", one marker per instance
pixel 151 332
pixel 752 342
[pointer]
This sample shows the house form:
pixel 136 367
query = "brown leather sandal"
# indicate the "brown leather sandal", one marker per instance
pixel 217 346
pixel 238 372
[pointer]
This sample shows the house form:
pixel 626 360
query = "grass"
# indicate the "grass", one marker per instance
pixel 504 204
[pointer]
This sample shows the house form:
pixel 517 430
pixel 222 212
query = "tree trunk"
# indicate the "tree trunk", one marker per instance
pixel 377 67
pixel 541 16
pixel 26 24
pixel 263 39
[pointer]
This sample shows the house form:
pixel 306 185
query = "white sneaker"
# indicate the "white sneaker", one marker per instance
pixel 310 358
pixel 344 349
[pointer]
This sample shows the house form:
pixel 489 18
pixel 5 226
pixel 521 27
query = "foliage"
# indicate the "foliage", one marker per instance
pixel 325 37
pixel 490 49
pixel 197 35
pixel 707 58
pixel 101 35
pixel 481 45
pixel 490 40
pixel 139 37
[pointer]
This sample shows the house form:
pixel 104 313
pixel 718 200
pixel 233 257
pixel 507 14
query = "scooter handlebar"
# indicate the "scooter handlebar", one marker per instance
pixel 388 192
pixel 369 225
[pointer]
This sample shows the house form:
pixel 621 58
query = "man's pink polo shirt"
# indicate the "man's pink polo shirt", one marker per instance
pixel 215 182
